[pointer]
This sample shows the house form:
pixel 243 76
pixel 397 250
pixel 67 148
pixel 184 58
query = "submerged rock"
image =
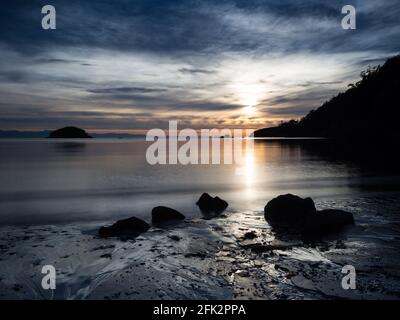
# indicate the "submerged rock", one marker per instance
pixel 300 215
pixel 127 228
pixel 161 215
pixel 211 207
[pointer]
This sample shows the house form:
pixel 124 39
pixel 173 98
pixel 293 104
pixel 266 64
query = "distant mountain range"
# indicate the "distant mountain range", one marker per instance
pixel 45 133
pixel 370 108
pixel 24 134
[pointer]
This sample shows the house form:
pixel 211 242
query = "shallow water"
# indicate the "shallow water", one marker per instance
pixel 47 181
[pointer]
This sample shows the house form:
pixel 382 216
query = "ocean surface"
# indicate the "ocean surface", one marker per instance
pixel 59 181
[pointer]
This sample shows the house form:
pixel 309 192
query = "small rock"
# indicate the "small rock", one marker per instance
pixel 211 207
pixel 200 255
pixel 174 237
pixel 249 235
pixel 242 273
pixel 161 215
pixel 127 228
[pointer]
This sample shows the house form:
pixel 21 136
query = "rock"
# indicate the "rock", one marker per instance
pixel 242 273
pixel 174 237
pixel 275 245
pixel 161 215
pixel 127 228
pixel 69 132
pixel 288 210
pixel 326 221
pixel 249 235
pixel 301 216
pixel 197 254
pixel 211 207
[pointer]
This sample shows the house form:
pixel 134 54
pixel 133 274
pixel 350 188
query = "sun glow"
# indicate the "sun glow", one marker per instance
pixel 249 95
pixel 249 110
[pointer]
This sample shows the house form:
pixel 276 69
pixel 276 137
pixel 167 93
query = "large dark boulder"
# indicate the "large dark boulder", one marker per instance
pixel 161 215
pixel 127 228
pixel 69 133
pixel 291 213
pixel 210 206
pixel 289 210
pixel 326 221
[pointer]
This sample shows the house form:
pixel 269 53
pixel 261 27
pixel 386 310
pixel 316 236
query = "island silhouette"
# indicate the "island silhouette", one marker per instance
pixel 368 109
pixel 69 133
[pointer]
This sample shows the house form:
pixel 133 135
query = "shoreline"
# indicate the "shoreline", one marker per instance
pixel 196 259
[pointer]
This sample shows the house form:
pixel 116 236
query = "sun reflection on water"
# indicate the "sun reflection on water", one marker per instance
pixel 246 173
pixel 248 169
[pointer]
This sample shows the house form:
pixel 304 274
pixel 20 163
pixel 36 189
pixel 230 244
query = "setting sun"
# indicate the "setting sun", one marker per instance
pixel 249 110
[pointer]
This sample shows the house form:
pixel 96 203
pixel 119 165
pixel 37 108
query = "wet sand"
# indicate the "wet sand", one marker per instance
pixel 197 259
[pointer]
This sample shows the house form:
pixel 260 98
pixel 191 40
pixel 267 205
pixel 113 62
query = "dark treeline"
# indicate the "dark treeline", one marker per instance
pixel 368 109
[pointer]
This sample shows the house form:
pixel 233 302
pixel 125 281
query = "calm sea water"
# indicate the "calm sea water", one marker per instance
pixel 48 181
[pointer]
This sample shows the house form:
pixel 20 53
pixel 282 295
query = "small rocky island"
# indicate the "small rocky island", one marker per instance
pixel 69 133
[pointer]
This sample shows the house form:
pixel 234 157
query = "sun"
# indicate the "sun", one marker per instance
pixel 249 97
pixel 249 110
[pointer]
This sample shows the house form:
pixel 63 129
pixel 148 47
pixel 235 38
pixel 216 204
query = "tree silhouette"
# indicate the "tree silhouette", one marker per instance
pixel 369 108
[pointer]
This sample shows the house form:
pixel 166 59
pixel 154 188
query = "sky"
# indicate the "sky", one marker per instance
pixel 130 66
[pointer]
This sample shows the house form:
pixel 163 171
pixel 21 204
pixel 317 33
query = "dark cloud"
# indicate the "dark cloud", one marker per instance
pixel 61 61
pixel 14 76
pixel 124 90
pixel 373 61
pixel 167 26
pixel 157 102
pixel 30 77
pixel 297 104
pixel 54 60
pixel 204 106
pixel 319 83
pixel 196 71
